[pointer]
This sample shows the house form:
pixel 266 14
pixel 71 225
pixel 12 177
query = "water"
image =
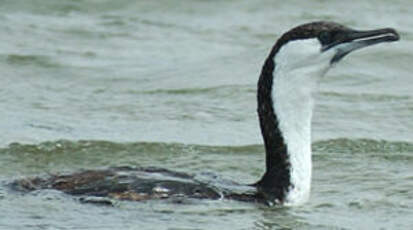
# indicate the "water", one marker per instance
pixel 98 83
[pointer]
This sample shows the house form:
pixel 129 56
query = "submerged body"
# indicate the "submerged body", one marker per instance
pixel 137 184
pixel 295 65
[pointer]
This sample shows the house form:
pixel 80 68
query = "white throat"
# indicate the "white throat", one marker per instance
pixel 299 65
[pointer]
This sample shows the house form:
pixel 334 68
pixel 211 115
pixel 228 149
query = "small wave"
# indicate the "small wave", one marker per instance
pixel 65 7
pixel 341 145
pixel 344 145
pixel 62 146
pixel 371 97
pixel 191 91
pixel 38 60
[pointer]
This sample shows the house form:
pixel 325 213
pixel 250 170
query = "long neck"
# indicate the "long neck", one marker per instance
pixel 285 112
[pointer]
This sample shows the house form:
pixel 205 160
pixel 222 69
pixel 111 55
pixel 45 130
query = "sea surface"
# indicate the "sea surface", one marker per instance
pixel 89 84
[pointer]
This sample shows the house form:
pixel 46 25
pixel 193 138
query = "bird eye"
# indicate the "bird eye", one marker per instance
pixel 324 37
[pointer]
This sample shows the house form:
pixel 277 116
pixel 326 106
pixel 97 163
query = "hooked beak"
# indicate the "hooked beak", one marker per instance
pixel 353 40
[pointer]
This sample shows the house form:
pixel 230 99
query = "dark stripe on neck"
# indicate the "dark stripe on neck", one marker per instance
pixel 275 183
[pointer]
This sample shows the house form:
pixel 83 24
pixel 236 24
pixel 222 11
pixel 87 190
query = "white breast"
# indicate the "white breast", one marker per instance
pixel 299 67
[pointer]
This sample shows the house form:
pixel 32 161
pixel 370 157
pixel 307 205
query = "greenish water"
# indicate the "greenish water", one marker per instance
pixel 97 83
pixel 357 184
